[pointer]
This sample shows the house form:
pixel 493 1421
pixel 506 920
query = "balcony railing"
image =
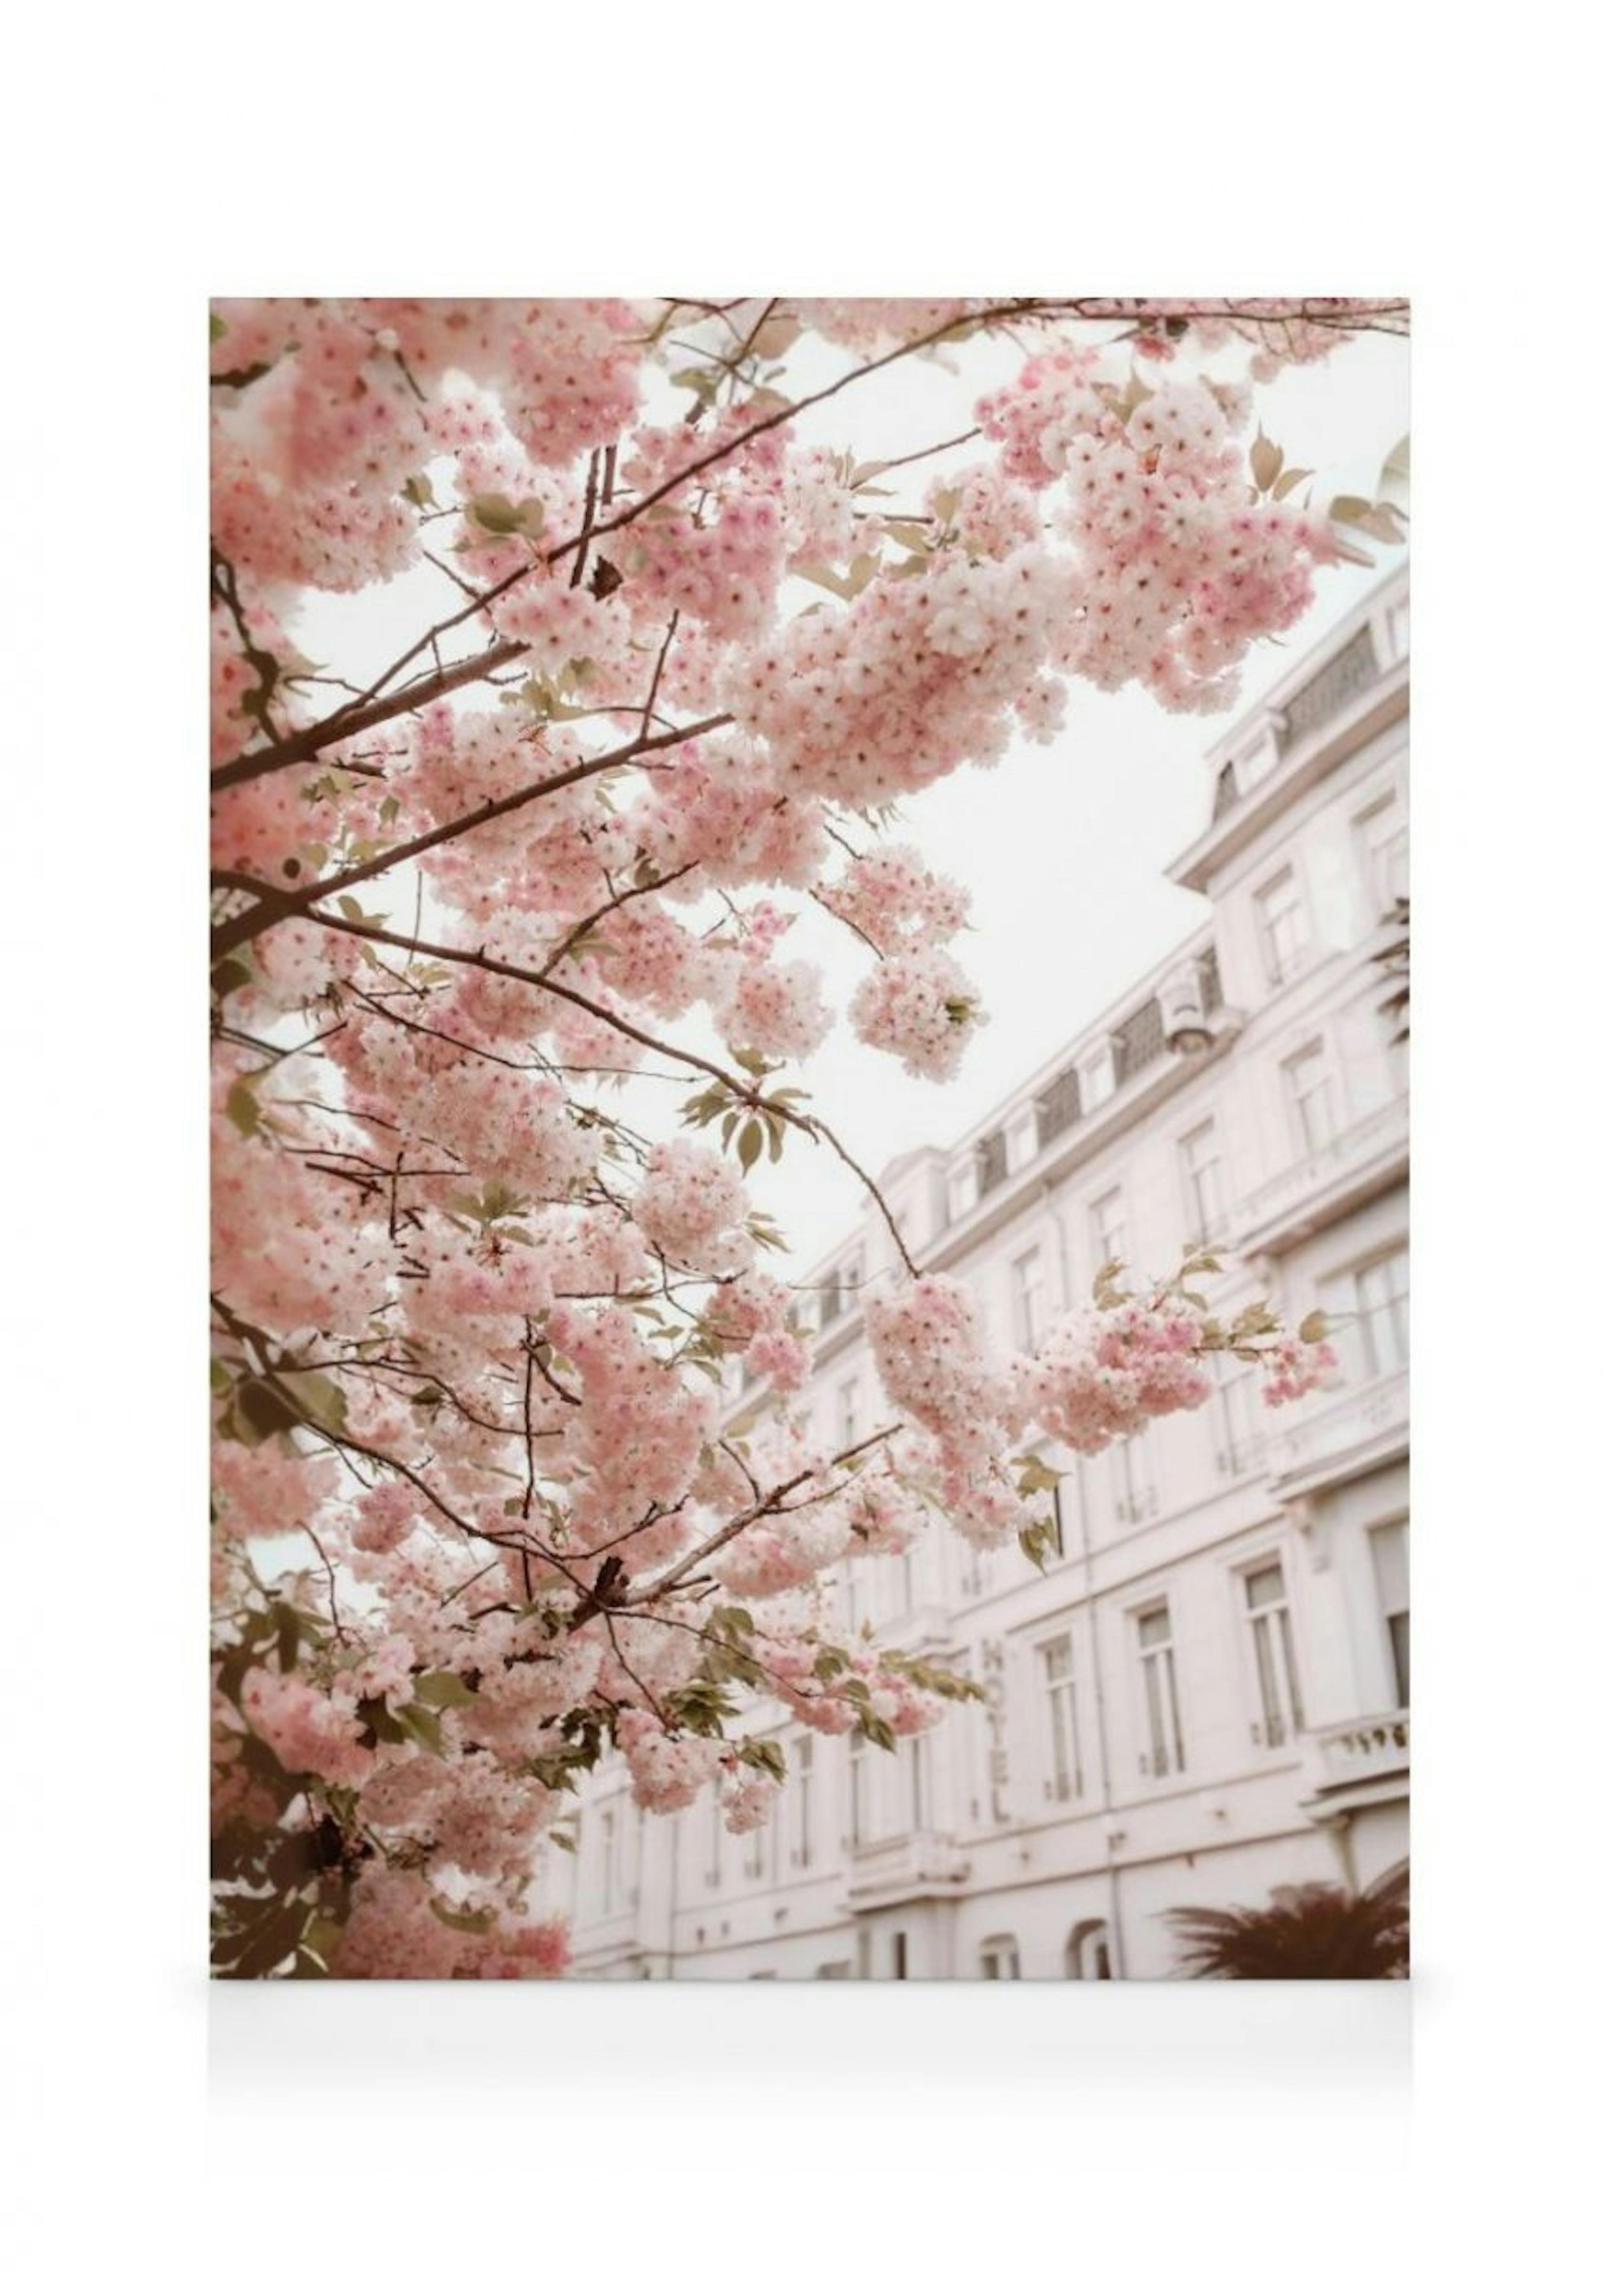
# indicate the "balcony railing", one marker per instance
pixel 1287 1204
pixel 1368 1749
pixel 913 1860
pixel 1342 1428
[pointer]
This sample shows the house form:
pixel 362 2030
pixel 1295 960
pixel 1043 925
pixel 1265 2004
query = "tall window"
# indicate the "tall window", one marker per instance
pixel 847 1397
pixel 962 1193
pixel 1029 1298
pixel 1278 1701
pixel 800 1852
pixel 1130 1470
pixel 756 1860
pixel 1383 838
pixel 713 1866
pixel 1391 1546
pixel 1236 1424
pixel 609 1866
pixel 1283 924
pixel 1203 1180
pixel 1107 1225
pixel 1099 1079
pixel 1308 1099
pixel 1164 1753
pixel 1064 1780
pixel 1000 1958
pixel 1381 1297
pixel 854 1770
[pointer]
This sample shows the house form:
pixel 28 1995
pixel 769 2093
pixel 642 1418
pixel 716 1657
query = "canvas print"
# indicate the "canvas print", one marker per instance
pixel 809 986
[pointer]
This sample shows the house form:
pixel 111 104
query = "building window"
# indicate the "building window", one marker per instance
pixel 800 1852
pixel 1308 1100
pixel 962 1193
pixel 1279 1703
pixel 1058 1106
pixel 855 1771
pixel 1130 1468
pixel 1064 1780
pixel 1237 1424
pixel 1088 1951
pixel 1381 1297
pixel 1382 835
pixel 1001 1957
pixel 846 1396
pixel 1021 1145
pixel 713 1867
pixel 1204 1181
pixel 899 1956
pixel 1283 924
pixel 609 1867
pixel 1163 1752
pixel 1107 1225
pixel 1099 1079
pixel 1390 1547
pixel 992 1163
pixel 1030 1318
pixel 1139 1040
pixel 828 1298
pixel 756 1860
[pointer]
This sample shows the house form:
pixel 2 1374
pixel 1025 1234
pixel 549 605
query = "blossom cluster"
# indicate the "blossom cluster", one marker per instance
pixel 1104 1373
pixel 919 1005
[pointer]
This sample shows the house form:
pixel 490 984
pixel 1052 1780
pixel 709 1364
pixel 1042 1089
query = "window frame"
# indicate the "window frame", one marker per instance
pixel 1281 966
pixel 1398 1672
pixel 1269 1634
pixel 1029 1301
pixel 1395 1309
pixel 1157 1689
pixel 1201 1225
pixel 1305 1146
pixel 1098 1247
pixel 1061 1716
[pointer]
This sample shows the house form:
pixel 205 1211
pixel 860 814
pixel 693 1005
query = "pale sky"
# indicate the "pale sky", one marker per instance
pixel 1062 846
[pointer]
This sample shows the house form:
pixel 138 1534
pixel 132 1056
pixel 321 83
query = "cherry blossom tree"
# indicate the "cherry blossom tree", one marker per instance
pixel 484 1231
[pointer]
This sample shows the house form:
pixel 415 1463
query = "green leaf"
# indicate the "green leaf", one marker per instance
pixel 234 970
pixel 1037 1542
pixel 749 1146
pixel 321 1398
pixel 445 1691
pixel 1267 459
pixel 423 1727
pixel 265 1408
pixel 496 514
pixel 1315 1326
pixel 217 329
pixel 243 1108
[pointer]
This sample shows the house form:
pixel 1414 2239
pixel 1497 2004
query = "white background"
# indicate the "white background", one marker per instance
pixel 154 158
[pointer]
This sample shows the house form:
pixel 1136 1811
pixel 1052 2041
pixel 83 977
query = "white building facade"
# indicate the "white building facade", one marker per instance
pixel 1205 1694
